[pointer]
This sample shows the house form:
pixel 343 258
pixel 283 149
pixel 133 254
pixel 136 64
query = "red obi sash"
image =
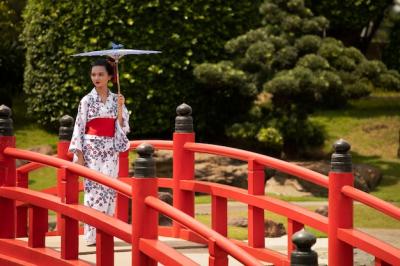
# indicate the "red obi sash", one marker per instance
pixel 103 127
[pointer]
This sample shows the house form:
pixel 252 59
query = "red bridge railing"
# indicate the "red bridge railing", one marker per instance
pixel 146 248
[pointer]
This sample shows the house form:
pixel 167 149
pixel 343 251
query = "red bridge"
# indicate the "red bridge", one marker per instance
pixel 24 212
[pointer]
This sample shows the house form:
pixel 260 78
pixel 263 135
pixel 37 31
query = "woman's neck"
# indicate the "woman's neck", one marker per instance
pixel 103 93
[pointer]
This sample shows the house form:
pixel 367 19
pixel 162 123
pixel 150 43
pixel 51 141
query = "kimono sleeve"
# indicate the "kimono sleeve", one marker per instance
pixel 80 127
pixel 121 141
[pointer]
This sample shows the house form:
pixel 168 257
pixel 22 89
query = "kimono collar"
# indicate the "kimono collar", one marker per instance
pixel 97 96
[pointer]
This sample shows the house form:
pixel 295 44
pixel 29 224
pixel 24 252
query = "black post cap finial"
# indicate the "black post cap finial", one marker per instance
pixel 66 128
pixel 184 120
pixel 303 255
pixel 144 163
pixel 341 158
pixel 6 123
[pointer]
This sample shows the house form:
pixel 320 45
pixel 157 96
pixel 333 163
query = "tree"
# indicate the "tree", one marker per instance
pixel 11 50
pixel 354 22
pixel 187 32
pixel 391 53
pixel 292 70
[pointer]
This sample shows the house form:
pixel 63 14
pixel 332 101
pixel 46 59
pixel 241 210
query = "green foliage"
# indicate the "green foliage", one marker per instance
pixel 391 53
pixel 271 138
pixel 288 58
pixel 11 50
pixel 187 32
pixel 308 44
pixel 350 14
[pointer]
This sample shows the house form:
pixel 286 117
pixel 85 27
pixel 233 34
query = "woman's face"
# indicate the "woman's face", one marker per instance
pixel 100 77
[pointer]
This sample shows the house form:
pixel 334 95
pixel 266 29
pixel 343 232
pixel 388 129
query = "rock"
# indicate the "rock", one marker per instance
pixel 238 221
pixel 44 149
pixel 323 210
pixel 366 177
pixel 369 174
pixel 167 198
pixel 274 229
pixel 289 186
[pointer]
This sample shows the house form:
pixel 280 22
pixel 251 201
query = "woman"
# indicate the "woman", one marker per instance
pixel 99 135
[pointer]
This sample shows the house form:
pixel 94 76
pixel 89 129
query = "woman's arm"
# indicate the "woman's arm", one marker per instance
pixel 76 145
pixel 121 101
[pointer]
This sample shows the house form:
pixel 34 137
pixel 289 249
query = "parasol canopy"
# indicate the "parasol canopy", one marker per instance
pixel 116 53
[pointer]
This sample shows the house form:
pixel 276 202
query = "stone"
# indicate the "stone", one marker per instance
pixel 271 228
pixel 167 198
pixel 372 176
pixel 274 229
pixel 323 210
pixel 238 221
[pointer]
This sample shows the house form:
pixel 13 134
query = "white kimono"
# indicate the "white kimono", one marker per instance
pixel 100 153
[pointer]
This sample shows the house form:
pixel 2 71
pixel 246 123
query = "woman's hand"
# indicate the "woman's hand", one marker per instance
pixel 120 102
pixel 80 160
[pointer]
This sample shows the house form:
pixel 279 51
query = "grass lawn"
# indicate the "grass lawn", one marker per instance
pixel 372 127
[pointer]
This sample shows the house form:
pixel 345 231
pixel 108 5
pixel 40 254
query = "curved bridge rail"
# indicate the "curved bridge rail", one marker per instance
pixel 340 229
pixel 343 237
pixel 107 227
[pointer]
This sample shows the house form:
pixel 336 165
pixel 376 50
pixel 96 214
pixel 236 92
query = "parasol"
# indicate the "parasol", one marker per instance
pixel 116 53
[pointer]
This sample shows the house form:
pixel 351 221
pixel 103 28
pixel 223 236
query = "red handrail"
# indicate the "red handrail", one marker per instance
pixel 280 165
pixel 202 230
pixel 80 170
pixel 158 144
pixel 369 244
pixel 372 201
pixel 82 213
pixel 280 207
pixel 29 167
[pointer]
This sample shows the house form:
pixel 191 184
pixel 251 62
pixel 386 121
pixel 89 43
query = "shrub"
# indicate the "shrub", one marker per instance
pixel 288 59
pixel 187 32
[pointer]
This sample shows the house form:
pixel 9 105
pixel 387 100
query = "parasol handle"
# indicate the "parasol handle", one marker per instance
pixel 119 90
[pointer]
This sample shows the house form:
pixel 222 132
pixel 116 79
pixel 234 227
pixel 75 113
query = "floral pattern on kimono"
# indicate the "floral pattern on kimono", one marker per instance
pixel 100 153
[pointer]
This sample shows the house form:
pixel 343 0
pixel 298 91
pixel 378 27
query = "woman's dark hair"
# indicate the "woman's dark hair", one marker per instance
pixel 108 65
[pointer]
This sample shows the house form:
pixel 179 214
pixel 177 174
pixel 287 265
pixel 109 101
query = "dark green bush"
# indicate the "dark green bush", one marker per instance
pixel 308 44
pixel 288 59
pixel 11 50
pixel 187 32
pixel 391 53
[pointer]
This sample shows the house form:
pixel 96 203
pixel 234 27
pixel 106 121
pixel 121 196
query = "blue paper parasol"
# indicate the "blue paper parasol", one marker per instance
pixel 116 53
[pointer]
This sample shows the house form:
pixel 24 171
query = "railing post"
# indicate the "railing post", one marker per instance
pixel 69 226
pixel 340 207
pixel 217 256
pixel 21 229
pixel 256 222
pixel 183 162
pixel 219 222
pixel 303 255
pixel 122 204
pixel 64 138
pixel 7 174
pixel 144 219
pixel 292 227
pixel 104 248
pixel 38 224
